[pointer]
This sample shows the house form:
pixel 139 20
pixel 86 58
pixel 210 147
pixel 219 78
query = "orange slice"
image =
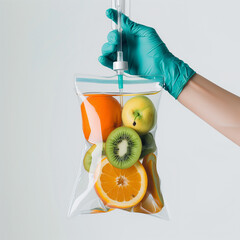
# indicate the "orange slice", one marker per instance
pixel 100 210
pixel 120 188
pixel 153 200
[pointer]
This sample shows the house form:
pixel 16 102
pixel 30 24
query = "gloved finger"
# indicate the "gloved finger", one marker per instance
pixel 105 62
pixel 128 25
pixel 112 56
pixel 108 49
pixel 135 28
pixel 112 14
pixel 113 37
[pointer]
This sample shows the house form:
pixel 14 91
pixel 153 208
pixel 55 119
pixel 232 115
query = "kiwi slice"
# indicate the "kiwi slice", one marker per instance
pixel 87 161
pixel 123 147
pixel 148 144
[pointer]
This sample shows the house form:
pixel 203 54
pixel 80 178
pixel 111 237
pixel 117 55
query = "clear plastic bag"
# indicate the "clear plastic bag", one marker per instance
pixel 118 167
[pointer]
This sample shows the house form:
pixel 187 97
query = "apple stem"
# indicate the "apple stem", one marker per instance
pixel 137 115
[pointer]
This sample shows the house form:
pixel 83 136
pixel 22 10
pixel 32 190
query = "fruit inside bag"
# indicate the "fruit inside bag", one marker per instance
pixel 118 168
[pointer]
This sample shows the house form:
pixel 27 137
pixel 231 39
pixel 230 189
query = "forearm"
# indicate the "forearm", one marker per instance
pixel 216 106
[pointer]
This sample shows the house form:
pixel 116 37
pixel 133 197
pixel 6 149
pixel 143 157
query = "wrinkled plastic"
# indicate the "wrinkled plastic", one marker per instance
pixel 99 103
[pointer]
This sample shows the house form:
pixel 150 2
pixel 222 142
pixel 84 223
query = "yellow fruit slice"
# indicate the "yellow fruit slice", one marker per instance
pixel 120 188
pixel 153 200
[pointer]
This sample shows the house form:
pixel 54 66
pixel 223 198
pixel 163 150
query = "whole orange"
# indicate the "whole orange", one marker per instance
pixel 101 114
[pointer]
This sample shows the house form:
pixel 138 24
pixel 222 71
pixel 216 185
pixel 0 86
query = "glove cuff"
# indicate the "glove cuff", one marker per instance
pixel 176 73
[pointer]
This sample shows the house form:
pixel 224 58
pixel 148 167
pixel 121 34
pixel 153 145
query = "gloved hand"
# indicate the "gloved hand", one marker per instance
pixel 146 53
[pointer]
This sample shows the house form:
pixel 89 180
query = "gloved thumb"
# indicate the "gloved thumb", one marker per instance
pixel 128 25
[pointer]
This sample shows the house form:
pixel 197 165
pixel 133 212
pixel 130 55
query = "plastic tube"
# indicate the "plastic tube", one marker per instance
pixel 120 65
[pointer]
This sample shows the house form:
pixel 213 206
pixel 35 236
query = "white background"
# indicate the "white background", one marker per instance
pixel 43 44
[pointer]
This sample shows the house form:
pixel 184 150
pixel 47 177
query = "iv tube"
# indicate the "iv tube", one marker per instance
pixel 120 66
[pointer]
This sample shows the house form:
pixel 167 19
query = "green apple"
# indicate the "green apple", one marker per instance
pixel 139 113
pixel 93 152
pixel 148 144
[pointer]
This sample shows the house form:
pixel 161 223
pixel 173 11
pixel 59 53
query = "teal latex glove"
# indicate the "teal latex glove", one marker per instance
pixel 146 53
